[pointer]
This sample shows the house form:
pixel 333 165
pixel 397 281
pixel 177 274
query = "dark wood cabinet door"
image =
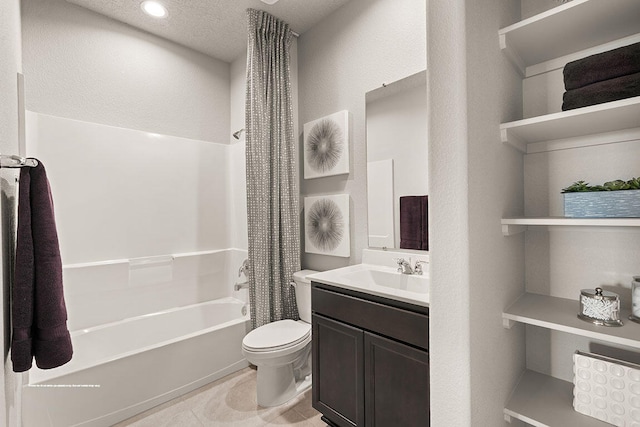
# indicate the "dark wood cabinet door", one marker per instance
pixel 396 383
pixel 338 383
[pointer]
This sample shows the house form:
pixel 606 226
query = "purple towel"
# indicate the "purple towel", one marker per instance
pixel 605 91
pixel 414 226
pixel 614 63
pixel 39 313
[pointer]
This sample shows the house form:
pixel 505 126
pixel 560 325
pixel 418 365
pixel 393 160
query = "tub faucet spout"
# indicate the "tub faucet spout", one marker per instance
pixel 239 286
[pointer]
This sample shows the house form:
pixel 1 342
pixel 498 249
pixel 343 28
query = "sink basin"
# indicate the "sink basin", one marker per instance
pixel 390 279
pixel 379 280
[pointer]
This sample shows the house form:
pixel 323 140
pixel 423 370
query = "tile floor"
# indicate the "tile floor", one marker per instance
pixel 230 401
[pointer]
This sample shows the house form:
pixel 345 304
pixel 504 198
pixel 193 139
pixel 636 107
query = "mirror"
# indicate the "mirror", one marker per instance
pixel 397 158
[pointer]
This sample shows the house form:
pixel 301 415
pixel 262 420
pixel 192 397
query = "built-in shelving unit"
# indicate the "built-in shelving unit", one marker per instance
pixel 511 226
pixel 539 44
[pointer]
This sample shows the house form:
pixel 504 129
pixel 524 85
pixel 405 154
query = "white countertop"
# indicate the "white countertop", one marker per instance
pixel 340 277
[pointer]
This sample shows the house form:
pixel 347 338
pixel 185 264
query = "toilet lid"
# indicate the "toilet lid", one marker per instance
pixel 283 333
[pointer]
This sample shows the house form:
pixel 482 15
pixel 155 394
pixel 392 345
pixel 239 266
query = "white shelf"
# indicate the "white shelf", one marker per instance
pixel 511 226
pixel 561 314
pixel 579 122
pixel 569 28
pixel 544 401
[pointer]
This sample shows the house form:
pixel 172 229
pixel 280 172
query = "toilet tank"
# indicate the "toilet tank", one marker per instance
pixel 303 293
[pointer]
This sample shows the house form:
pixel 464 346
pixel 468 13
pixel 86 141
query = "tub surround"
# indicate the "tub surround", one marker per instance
pixel 104 292
pixel 128 194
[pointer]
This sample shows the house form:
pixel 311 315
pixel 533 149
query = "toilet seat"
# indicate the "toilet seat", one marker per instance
pixel 275 336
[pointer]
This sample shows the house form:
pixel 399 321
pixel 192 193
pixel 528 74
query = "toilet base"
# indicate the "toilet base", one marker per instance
pixel 277 385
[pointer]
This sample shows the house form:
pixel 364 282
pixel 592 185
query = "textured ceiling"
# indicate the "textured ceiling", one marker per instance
pixel 214 27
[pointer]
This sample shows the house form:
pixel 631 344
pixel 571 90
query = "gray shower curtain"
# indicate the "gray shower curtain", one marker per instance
pixel 272 179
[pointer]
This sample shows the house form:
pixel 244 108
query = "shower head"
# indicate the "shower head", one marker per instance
pixel 237 134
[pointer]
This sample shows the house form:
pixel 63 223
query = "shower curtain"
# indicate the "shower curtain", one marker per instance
pixel 272 190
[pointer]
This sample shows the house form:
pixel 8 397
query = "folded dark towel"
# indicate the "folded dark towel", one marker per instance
pixel 39 313
pixel 605 91
pixel 414 226
pixel 602 66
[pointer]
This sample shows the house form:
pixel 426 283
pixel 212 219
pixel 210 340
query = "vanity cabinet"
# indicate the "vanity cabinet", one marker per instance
pixel 370 359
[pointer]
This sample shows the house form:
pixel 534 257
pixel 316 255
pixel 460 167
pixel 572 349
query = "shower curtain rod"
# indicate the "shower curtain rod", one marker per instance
pixel 13 161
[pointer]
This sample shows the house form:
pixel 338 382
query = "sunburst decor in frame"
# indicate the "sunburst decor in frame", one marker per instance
pixel 327 225
pixel 326 146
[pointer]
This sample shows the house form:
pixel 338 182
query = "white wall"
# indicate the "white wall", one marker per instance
pixel 238 86
pixel 82 65
pixel 10 65
pixel 449 338
pixel 238 165
pixel 352 51
pixel 495 190
pixel 474 181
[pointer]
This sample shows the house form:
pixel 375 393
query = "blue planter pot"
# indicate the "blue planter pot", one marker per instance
pixel 602 204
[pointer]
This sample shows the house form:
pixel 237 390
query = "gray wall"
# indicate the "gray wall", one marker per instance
pixel 533 7
pixel 356 49
pixel 84 66
pixel 474 181
pixel 10 58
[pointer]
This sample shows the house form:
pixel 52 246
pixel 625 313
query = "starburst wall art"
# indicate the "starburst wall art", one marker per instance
pixel 326 146
pixel 327 225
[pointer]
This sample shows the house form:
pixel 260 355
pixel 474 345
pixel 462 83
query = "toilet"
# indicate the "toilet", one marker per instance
pixel 282 350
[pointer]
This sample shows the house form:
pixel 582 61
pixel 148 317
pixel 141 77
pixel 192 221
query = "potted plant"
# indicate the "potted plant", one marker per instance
pixel 613 199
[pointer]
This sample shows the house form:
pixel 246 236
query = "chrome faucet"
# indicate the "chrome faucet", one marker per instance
pixel 238 286
pixel 244 267
pixel 418 267
pixel 404 266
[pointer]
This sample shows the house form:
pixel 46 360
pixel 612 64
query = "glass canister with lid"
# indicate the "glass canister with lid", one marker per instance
pixel 600 307
pixel 635 299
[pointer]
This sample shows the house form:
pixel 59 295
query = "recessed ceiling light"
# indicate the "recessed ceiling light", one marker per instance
pixel 269 1
pixel 153 8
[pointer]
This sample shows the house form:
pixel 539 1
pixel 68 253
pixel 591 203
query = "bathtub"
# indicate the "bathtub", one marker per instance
pixel 122 368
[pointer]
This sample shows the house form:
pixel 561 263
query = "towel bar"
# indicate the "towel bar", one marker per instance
pixel 13 161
